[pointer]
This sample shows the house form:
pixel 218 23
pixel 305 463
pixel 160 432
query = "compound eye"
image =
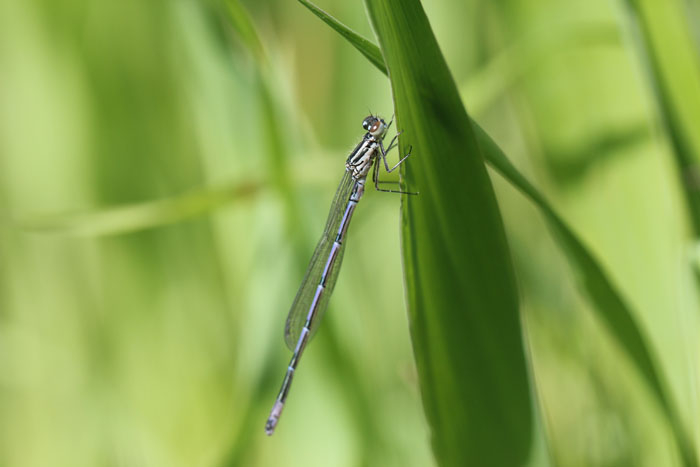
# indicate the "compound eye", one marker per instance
pixel 367 123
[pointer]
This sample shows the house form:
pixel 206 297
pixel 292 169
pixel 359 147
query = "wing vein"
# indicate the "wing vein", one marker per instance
pixel 302 302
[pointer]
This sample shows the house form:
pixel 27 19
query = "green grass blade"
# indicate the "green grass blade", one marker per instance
pixel 660 31
pixel 462 297
pixel 138 216
pixel 499 74
pixel 591 277
pixel 364 46
pixel 242 23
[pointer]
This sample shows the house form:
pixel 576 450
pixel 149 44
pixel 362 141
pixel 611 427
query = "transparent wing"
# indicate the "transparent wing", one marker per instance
pixel 302 302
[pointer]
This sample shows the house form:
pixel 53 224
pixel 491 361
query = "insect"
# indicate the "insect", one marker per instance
pixel 312 298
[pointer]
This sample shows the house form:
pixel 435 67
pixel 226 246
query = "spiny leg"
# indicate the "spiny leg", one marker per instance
pixel 384 152
pixel 392 144
pixel 376 186
pixel 375 174
pixel 375 179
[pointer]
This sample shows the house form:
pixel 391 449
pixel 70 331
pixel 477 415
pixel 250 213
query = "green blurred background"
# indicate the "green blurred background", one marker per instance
pixel 164 178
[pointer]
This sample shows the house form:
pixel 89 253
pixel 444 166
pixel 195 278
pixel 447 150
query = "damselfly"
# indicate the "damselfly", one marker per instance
pixel 312 298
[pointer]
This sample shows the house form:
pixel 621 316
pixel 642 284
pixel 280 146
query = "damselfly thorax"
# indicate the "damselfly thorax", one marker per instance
pixel 313 295
pixel 362 157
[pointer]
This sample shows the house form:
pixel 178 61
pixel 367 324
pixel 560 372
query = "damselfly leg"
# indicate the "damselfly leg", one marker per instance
pixel 383 153
pixel 375 177
pixel 392 144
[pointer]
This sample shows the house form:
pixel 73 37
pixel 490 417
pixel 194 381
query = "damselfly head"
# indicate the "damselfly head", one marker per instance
pixel 375 126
